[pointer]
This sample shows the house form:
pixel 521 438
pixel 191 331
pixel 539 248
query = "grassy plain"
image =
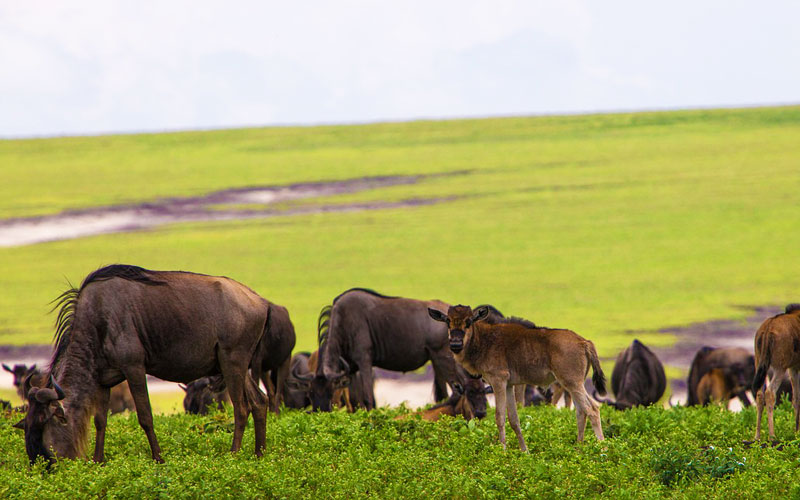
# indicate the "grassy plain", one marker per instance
pixel 650 453
pixel 606 224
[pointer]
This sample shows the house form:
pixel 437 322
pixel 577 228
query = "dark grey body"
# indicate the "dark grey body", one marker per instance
pixel 737 363
pixel 126 322
pixel 367 329
pixel 638 378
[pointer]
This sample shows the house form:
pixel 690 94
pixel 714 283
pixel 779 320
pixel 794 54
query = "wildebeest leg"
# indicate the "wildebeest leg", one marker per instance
pixel 769 400
pixel 235 379
pixel 280 380
pixel 584 406
pixel 519 394
pixel 795 379
pixel 759 411
pixel 499 388
pixel 138 384
pixel 366 385
pixel 257 404
pixel 513 418
pixel 100 419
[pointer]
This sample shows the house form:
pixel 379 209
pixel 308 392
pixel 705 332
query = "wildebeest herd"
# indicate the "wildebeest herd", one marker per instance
pixel 220 339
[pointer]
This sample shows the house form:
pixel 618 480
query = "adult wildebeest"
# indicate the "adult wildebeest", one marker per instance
pixel 125 322
pixel 777 346
pixel 20 372
pixel 638 378
pixel 368 329
pixel 273 356
pixel 459 403
pixel 737 364
pixel 509 354
pixel 204 392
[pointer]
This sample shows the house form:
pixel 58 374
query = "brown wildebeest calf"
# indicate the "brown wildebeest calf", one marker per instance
pixel 777 346
pixel 715 388
pixel 459 403
pixel 509 354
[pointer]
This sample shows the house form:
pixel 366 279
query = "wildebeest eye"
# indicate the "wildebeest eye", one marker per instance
pixel 469 322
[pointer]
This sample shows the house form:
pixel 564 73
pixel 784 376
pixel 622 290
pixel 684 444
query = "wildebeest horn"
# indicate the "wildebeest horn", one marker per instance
pixel 59 391
pixel 489 389
pixel 26 385
pixel 604 401
pixel 7 368
pixel 183 387
pixel 303 376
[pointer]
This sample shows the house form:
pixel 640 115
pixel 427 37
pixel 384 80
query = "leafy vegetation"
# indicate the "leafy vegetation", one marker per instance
pixel 652 452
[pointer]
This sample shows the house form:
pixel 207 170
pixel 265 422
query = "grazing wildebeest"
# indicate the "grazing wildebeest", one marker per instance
pixel 638 378
pixel 458 403
pixel 368 329
pixel 20 372
pixel 298 382
pixel 204 392
pixel 125 322
pixel 737 363
pixel 509 354
pixel 777 346
pixel 273 355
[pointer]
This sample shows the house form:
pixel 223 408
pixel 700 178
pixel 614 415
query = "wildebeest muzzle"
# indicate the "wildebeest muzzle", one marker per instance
pixel 456 340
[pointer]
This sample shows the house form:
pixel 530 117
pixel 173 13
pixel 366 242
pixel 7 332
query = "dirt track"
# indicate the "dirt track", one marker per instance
pixel 217 206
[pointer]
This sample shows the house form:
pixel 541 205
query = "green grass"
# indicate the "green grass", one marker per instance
pixel 606 224
pixel 649 453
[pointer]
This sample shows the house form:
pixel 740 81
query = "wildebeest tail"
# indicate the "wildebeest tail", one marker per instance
pixel 323 322
pixel 764 353
pixel 598 377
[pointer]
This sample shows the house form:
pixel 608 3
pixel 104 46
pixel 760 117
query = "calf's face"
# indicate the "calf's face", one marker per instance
pixel 460 321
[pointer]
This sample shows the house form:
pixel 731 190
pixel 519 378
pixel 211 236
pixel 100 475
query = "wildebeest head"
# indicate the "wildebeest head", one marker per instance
pixel 740 374
pixel 20 371
pixel 44 411
pixel 475 391
pixel 324 384
pixel 203 392
pixel 460 320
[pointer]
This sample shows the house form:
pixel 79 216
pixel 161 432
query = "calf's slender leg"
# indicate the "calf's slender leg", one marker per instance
pixel 759 411
pixel 519 394
pixel 513 418
pixel 769 399
pixel 499 387
pixel 795 379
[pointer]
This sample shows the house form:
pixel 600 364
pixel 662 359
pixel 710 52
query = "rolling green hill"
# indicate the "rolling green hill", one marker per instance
pixel 606 224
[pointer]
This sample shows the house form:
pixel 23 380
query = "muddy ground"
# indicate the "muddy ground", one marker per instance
pixel 416 389
pixel 229 204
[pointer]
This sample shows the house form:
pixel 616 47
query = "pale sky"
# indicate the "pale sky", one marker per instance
pixel 108 66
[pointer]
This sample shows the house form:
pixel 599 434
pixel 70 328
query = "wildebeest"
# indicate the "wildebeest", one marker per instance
pixel 119 401
pixel 204 392
pixel 125 322
pixel 509 354
pixel 368 329
pixel 638 378
pixel 298 382
pixel 777 346
pixel 459 402
pixel 20 372
pixel 737 364
pixel 273 356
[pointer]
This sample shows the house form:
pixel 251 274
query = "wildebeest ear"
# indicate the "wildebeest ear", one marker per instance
pixel 489 389
pixel 6 368
pixel 19 425
pixel 437 315
pixel 480 313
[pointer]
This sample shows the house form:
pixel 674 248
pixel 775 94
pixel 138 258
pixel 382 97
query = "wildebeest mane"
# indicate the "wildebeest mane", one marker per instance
pixel 792 307
pixel 522 321
pixel 365 290
pixel 323 322
pixel 67 302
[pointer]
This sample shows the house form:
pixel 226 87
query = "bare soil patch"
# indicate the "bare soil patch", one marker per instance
pixel 132 217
